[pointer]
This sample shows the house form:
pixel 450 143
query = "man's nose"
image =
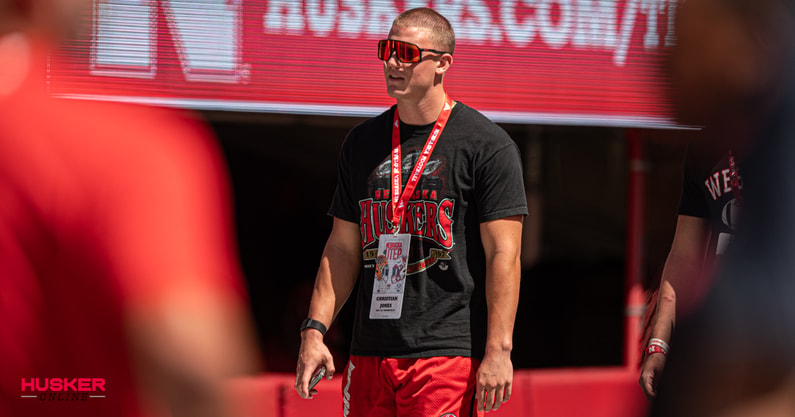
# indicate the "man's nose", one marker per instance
pixel 392 60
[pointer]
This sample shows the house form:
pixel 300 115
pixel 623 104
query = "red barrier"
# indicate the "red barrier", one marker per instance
pixel 585 392
pixel 327 402
pixel 261 395
pixel 598 392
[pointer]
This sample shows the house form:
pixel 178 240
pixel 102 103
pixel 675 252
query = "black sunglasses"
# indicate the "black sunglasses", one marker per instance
pixel 406 52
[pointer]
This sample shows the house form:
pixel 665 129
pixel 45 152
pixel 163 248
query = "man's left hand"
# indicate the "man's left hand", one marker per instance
pixel 495 377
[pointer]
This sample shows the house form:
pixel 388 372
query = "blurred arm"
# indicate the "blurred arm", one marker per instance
pixel 682 270
pixel 170 240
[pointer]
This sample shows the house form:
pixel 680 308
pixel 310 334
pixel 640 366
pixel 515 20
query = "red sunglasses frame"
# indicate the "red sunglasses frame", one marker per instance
pixel 393 46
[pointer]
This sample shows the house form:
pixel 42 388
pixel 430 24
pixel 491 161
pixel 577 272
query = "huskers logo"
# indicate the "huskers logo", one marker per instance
pixel 427 220
pixel 424 219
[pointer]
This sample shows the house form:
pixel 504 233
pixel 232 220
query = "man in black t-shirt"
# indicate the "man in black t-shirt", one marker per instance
pixel 734 352
pixel 428 216
pixel 708 214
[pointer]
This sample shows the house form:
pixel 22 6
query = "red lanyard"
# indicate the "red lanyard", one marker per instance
pixel 734 178
pixel 400 200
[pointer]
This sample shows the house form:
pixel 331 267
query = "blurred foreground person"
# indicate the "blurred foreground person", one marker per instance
pixel 120 293
pixel 735 354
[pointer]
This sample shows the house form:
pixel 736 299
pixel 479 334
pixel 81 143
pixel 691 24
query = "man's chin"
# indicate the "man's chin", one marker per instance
pixel 395 93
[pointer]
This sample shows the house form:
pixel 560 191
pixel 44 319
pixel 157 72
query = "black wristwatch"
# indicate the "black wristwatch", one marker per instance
pixel 313 324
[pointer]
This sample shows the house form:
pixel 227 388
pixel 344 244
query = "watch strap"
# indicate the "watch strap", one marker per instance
pixel 314 324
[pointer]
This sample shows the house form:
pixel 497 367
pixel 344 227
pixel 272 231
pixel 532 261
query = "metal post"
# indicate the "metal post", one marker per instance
pixel 636 245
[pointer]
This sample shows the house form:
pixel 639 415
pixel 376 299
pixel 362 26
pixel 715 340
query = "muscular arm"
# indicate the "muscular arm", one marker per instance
pixel 502 244
pixel 679 279
pixel 336 276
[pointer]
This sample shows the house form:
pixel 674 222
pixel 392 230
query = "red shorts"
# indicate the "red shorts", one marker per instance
pixel 428 387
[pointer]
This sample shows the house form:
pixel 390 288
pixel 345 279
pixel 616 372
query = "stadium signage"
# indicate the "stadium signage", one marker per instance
pixel 534 61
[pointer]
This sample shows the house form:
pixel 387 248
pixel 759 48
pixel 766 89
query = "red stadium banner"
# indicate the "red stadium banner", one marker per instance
pixel 589 62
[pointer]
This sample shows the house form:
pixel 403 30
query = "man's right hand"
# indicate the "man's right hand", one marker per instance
pixel 312 355
pixel 650 374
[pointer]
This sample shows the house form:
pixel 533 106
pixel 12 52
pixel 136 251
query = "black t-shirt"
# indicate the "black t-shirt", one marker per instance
pixel 707 193
pixel 743 333
pixel 474 175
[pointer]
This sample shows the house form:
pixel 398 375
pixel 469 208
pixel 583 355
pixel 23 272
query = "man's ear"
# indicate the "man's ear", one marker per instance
pixel 444 64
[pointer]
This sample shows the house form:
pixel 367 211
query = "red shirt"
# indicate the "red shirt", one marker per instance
pixel 103 207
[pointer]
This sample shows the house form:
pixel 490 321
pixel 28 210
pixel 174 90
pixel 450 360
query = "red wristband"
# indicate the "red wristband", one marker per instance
pixel 655 349
pixel 661 343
